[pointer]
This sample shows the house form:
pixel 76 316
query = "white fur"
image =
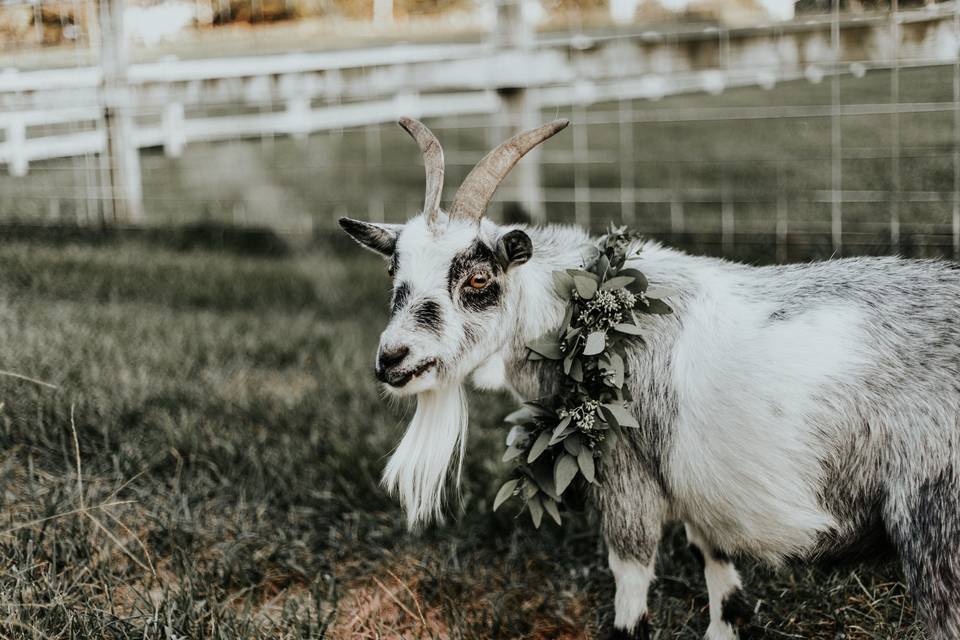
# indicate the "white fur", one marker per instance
pixel 418 468
pixel 722 579
pixel 492 374
pixel 745 461
pixel 633 582
pixel 424 265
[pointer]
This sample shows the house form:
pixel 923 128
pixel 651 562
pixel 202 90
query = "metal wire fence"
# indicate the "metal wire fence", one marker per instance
pixel 828 134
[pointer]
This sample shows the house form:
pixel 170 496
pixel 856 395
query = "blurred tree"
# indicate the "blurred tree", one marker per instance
pixel 853 6
pixel 41 24
pixel 429 7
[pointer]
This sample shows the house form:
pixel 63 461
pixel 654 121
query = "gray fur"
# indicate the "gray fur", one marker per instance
pixel 889 444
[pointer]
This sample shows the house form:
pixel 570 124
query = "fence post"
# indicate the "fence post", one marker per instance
pixel 124 190
pixel 514 30
pixel 174 137
pixel 17 143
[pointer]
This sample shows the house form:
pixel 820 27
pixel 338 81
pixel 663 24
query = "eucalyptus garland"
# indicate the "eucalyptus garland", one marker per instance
pixel 556 438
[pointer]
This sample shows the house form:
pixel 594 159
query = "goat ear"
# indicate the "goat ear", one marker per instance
pixel 514 248
pixel 381 238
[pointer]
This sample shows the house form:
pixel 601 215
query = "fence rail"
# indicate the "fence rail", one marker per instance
pixel 63 123
pixel 377 85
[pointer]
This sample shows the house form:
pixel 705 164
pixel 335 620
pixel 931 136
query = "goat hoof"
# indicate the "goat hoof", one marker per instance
pixel 737 609
pixel 721 631
pixel 752 632
pixel 640 632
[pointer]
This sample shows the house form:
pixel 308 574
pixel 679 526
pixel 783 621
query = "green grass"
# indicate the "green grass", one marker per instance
pixel 224 406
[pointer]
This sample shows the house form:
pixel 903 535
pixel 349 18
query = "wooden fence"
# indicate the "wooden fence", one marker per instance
pixel 116 109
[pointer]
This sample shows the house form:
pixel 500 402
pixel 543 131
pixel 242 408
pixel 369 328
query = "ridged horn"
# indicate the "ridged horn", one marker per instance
pixel 432 164
pixel 477 189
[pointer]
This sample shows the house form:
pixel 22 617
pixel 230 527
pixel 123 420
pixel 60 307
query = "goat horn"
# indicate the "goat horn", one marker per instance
pixel 477 189
pixel 432 164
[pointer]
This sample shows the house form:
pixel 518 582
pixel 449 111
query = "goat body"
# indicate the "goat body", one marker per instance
pixel 787 413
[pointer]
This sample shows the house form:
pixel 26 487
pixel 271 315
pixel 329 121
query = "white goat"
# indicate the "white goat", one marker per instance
pixel 791 412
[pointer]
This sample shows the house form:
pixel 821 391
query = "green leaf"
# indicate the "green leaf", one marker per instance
pixel 505 492
pixel 558 436
pixel 653 305
pixel 639 284
pixel 516 434
pixel 589 252
pixel 511 453
pixel 603 265
pixel 576 371
pixel 539 408
pixel 530 489
pixel 521 416
pixel 586 287
pixel 583 274
pixel 629 329
pixel 563 283
pixel 564 471
pixel 568 361
pixel 618 370
pixel 558 432
pixel 536 510
pixel 596 341
pixel 550 505
pixel 543 475
pixel 661 292
pixel 572 444
pixel 617 282
pixel 585 462
pixel 539 446
pixel 617 364
pixel 547 345
pixel 618 415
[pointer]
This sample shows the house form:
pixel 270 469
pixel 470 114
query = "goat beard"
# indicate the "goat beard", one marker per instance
pixel 436 436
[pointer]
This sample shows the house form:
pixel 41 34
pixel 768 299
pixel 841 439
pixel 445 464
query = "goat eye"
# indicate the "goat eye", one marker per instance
pixel 478 280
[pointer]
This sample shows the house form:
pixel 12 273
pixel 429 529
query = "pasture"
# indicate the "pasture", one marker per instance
pixel 230 440
pixel 208 464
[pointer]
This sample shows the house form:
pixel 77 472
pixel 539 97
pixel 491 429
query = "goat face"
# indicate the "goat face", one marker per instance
pixel 454 306
pixel 450 271
pixel 452 300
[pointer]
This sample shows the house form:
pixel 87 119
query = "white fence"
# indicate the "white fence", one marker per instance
pixel 377 85
pixel 172 104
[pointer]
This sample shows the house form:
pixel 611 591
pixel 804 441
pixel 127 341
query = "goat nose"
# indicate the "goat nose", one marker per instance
pixel 391 357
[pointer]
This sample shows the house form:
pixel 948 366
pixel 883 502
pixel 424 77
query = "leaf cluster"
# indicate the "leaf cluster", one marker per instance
pixel 570 434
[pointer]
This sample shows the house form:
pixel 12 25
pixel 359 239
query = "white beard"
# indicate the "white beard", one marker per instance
pixel 418 468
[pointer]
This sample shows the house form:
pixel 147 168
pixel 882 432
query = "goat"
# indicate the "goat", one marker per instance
pixel 788 413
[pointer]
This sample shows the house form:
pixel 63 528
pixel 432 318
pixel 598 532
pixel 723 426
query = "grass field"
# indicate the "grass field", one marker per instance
pixel 208 468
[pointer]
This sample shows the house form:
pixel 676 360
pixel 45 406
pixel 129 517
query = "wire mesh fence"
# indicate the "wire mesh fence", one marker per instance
pixel 827 134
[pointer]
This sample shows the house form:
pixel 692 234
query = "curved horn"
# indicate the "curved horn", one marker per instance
pixel 477 189
pixel 432 164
